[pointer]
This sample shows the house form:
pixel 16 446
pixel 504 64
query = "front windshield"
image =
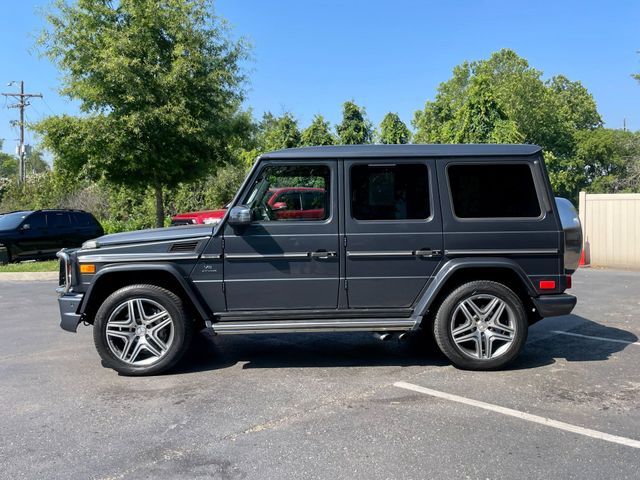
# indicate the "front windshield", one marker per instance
pixel 10 221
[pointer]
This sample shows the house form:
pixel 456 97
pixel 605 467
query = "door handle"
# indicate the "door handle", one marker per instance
pixel 427 252
pixel 322 254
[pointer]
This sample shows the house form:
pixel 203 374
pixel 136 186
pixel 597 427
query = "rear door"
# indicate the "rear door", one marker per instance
pixel 393 231
pixel 60 231
pixel 285 262
pixel 83 228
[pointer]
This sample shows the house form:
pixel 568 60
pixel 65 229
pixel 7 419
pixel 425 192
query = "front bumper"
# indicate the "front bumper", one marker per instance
pixel 69 305
pixel 554 305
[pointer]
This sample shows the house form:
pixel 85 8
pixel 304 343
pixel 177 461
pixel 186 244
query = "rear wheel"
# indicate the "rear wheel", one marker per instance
pixel 5 255
pixel 481 326
pixel 142 330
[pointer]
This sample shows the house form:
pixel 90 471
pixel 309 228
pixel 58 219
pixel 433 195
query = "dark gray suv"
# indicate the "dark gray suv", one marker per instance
pixel 462 242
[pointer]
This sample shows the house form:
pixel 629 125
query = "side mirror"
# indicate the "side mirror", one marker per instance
pixel 279 206
pixel 239 216
pixel 26 226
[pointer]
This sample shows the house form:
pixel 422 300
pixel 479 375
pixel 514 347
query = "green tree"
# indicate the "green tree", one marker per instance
pixel 517 90
pixel 281 132
pixel 355 128
pixel 8 164
pixel 318 133
pixel 393 130
pixel 35 162
pixel 158 82
pixel 578 105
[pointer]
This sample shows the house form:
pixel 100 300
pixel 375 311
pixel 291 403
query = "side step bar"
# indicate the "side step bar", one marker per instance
pixel 319 325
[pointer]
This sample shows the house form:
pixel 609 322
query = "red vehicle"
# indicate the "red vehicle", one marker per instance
pixel 208 217
pixel 285 203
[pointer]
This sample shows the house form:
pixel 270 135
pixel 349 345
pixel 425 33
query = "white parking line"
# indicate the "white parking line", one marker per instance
pixel 629 442
pixel 560 332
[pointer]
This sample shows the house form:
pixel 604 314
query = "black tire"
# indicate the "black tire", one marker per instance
pixel 449 313
pixel 5 255
pixel 182 329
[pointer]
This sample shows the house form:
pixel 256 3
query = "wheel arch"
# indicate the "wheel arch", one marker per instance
pixel 462 270
pixel 112 278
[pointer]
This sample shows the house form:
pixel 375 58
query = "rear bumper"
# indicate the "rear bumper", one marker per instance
pixel 69 305
pixel 554 305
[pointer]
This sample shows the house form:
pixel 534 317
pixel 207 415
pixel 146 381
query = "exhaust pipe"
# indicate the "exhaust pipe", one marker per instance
pixel 403 336
pixel 384 336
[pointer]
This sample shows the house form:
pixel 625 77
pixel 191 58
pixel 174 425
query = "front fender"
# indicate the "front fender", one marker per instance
pixel 104 273
pixel 458 264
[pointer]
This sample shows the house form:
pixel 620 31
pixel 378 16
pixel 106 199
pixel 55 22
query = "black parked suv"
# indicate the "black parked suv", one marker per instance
pixel 40 234
pixel 465 242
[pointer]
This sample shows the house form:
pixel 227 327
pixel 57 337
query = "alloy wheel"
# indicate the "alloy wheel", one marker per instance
pixel 140 331
pixel 483 326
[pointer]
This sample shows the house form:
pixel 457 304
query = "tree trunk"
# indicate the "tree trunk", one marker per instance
pixel 159 206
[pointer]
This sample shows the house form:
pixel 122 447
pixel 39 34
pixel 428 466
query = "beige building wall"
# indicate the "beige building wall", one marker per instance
pixel 611 228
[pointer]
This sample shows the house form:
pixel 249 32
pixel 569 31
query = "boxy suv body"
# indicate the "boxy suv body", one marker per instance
pixel 464 242
pixel 40 234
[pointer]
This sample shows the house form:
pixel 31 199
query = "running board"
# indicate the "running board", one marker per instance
pixel 320 325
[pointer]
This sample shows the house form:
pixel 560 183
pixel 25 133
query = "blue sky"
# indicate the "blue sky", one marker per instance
pixel 310 56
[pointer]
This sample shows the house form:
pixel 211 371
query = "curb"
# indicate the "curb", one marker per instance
pixel 28 276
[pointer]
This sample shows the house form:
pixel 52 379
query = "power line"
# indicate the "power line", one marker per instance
pixel 23 103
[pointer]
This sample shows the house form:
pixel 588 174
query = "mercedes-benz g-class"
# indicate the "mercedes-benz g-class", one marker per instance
pixel 465 242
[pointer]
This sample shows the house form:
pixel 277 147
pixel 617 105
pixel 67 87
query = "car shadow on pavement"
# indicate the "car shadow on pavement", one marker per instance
pixel 316 350
pixel 552 346
pixel 320 350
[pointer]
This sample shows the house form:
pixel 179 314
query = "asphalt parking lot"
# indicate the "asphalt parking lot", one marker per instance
pixel 326 406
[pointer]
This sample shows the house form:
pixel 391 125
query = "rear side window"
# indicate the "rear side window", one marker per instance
pixel 82 219
pixel 58 220
pixel 390 192
pixel 493 191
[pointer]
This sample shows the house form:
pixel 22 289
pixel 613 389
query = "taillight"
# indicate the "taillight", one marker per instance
pixel 568 281
pixel 547 284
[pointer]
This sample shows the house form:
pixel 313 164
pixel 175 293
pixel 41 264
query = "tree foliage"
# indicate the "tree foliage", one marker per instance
pixel 280 132
pixel 355 128
pixel 158 83
pixel 318 133
pixel 393 130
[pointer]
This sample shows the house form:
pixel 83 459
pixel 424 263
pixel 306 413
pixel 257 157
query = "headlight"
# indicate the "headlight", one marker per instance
pixel 90 244
pixel 211 221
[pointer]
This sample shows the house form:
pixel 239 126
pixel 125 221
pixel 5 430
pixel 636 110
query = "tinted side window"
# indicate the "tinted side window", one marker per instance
pixel 36 221
pixel 396 192
pixel 58 220
pixel 81 219
pixel 493 191
pixel 302 178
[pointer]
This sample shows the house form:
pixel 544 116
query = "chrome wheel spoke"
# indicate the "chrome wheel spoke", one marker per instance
pixel 501 337
pixel 151 348
pixel 463 330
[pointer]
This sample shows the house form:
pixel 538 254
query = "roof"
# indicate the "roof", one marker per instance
pixel 386 151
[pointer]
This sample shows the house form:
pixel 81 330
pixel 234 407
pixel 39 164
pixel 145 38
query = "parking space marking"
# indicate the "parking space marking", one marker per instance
pixel 629 442
pixel 590 337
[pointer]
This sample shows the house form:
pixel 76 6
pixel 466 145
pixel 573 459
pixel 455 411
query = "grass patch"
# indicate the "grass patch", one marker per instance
pixel 45 266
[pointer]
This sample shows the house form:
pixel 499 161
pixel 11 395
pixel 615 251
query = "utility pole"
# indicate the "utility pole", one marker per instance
pixel 23 102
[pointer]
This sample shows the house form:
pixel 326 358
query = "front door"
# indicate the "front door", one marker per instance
pixel 393 231
pixel 287 258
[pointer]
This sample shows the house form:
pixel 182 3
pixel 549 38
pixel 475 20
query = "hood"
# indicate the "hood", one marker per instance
pixel 156 235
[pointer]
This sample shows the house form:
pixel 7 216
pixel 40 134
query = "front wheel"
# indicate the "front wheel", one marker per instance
pixel 141 330
pixel 481 325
